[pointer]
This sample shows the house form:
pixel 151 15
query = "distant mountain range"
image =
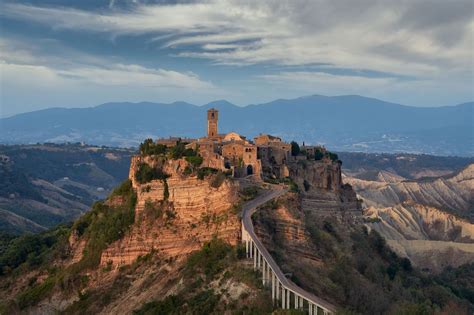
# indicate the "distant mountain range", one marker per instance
pixel 341 123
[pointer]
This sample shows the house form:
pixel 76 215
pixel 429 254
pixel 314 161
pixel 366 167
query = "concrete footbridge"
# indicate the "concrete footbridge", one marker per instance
pixel 284 291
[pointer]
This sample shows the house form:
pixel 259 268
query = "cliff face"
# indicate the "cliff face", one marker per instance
pixel 281 224
pixel 453 193
pixel 318 174
pixel 176 225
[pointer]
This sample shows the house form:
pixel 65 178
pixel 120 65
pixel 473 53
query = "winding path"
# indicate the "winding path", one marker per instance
pixel 283 289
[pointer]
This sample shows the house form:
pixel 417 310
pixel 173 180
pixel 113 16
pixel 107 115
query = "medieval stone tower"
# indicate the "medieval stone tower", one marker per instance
pixel 212 116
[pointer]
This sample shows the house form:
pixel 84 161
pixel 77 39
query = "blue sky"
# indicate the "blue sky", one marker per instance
pixel 79 53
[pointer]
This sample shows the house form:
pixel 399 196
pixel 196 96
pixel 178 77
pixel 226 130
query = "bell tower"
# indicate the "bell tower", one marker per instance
pixel 212 116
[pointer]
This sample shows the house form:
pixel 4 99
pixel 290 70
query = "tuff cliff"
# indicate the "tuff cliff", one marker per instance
pixel 310 174
pixel 193 214
pixel 175 216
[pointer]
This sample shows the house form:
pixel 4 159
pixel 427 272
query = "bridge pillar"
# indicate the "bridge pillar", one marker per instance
pixel 247 248
pixel 269 272
pixel 297 302
pixel 258 259
pixel 288 296
pixel 301 302
pixel 283 298
pixel 278 290
pixel 310 308
pixel 272 282
pixel 263 272
pixel 254 257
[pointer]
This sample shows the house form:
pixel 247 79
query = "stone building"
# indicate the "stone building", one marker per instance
pixel 229 151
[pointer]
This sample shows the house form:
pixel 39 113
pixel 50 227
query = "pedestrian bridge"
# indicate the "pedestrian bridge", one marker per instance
pixel 284 292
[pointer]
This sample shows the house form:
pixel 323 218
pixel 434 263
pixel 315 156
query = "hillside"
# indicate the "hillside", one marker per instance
pixel 342 261
pixel 44 185
pixel 164 241
pixel 167 241
pixel 343 123
pixel 428 219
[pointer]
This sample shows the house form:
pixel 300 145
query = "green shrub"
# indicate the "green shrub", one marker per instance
pixel 146 173
pixel 187 170
pixel 102 226
pixel 166 192
pixel 205 171
pixel 218 180
pixel 294 187
pixel 209 259
pixel 249 193
pixel 33 249
pixel 195 160
pixel 35 294
pixel 332 156
pixel 123 189
pixel 148 147
pixel 170 305
pixel 295 148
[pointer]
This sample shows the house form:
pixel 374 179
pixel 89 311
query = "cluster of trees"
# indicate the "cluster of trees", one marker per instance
pixel 30 250
pixel 319 154
pixel 145 173
pixel 369 278
pixel 149 147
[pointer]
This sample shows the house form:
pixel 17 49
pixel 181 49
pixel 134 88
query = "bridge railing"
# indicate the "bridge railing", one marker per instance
pixel 284 291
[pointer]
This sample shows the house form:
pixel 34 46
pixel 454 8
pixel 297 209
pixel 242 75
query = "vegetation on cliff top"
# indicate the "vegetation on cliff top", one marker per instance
pixel 145 173
pixel 149 147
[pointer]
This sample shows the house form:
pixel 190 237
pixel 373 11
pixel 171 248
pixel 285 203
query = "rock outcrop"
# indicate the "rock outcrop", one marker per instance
pixel 323 174
pixel 177 224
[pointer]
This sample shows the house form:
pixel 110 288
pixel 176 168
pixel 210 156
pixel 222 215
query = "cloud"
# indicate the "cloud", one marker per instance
pixel 417 38
pixel 30 80
pixel 19 61
pixel 330 83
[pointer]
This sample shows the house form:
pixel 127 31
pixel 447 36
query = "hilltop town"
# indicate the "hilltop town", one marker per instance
pixel 267 157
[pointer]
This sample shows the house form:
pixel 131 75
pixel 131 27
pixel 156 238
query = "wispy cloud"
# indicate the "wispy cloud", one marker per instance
pixel 421 38
pixel 30 79
pixel 20 61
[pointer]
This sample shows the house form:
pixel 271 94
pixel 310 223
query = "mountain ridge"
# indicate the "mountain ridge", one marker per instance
pixel 344 123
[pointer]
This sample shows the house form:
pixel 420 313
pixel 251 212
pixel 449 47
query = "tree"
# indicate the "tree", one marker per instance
pixel 295 148
pixel 318 154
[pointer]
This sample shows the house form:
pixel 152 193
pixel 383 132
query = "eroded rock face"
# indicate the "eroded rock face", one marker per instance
pixel 193 213
pixel 173 224
pixel 412 221
pixel 425 220
pixel 282 226
pixel 318 174
pixel 451 193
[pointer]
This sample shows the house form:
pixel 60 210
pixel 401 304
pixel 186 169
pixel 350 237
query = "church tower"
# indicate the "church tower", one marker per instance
pixel 212 116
